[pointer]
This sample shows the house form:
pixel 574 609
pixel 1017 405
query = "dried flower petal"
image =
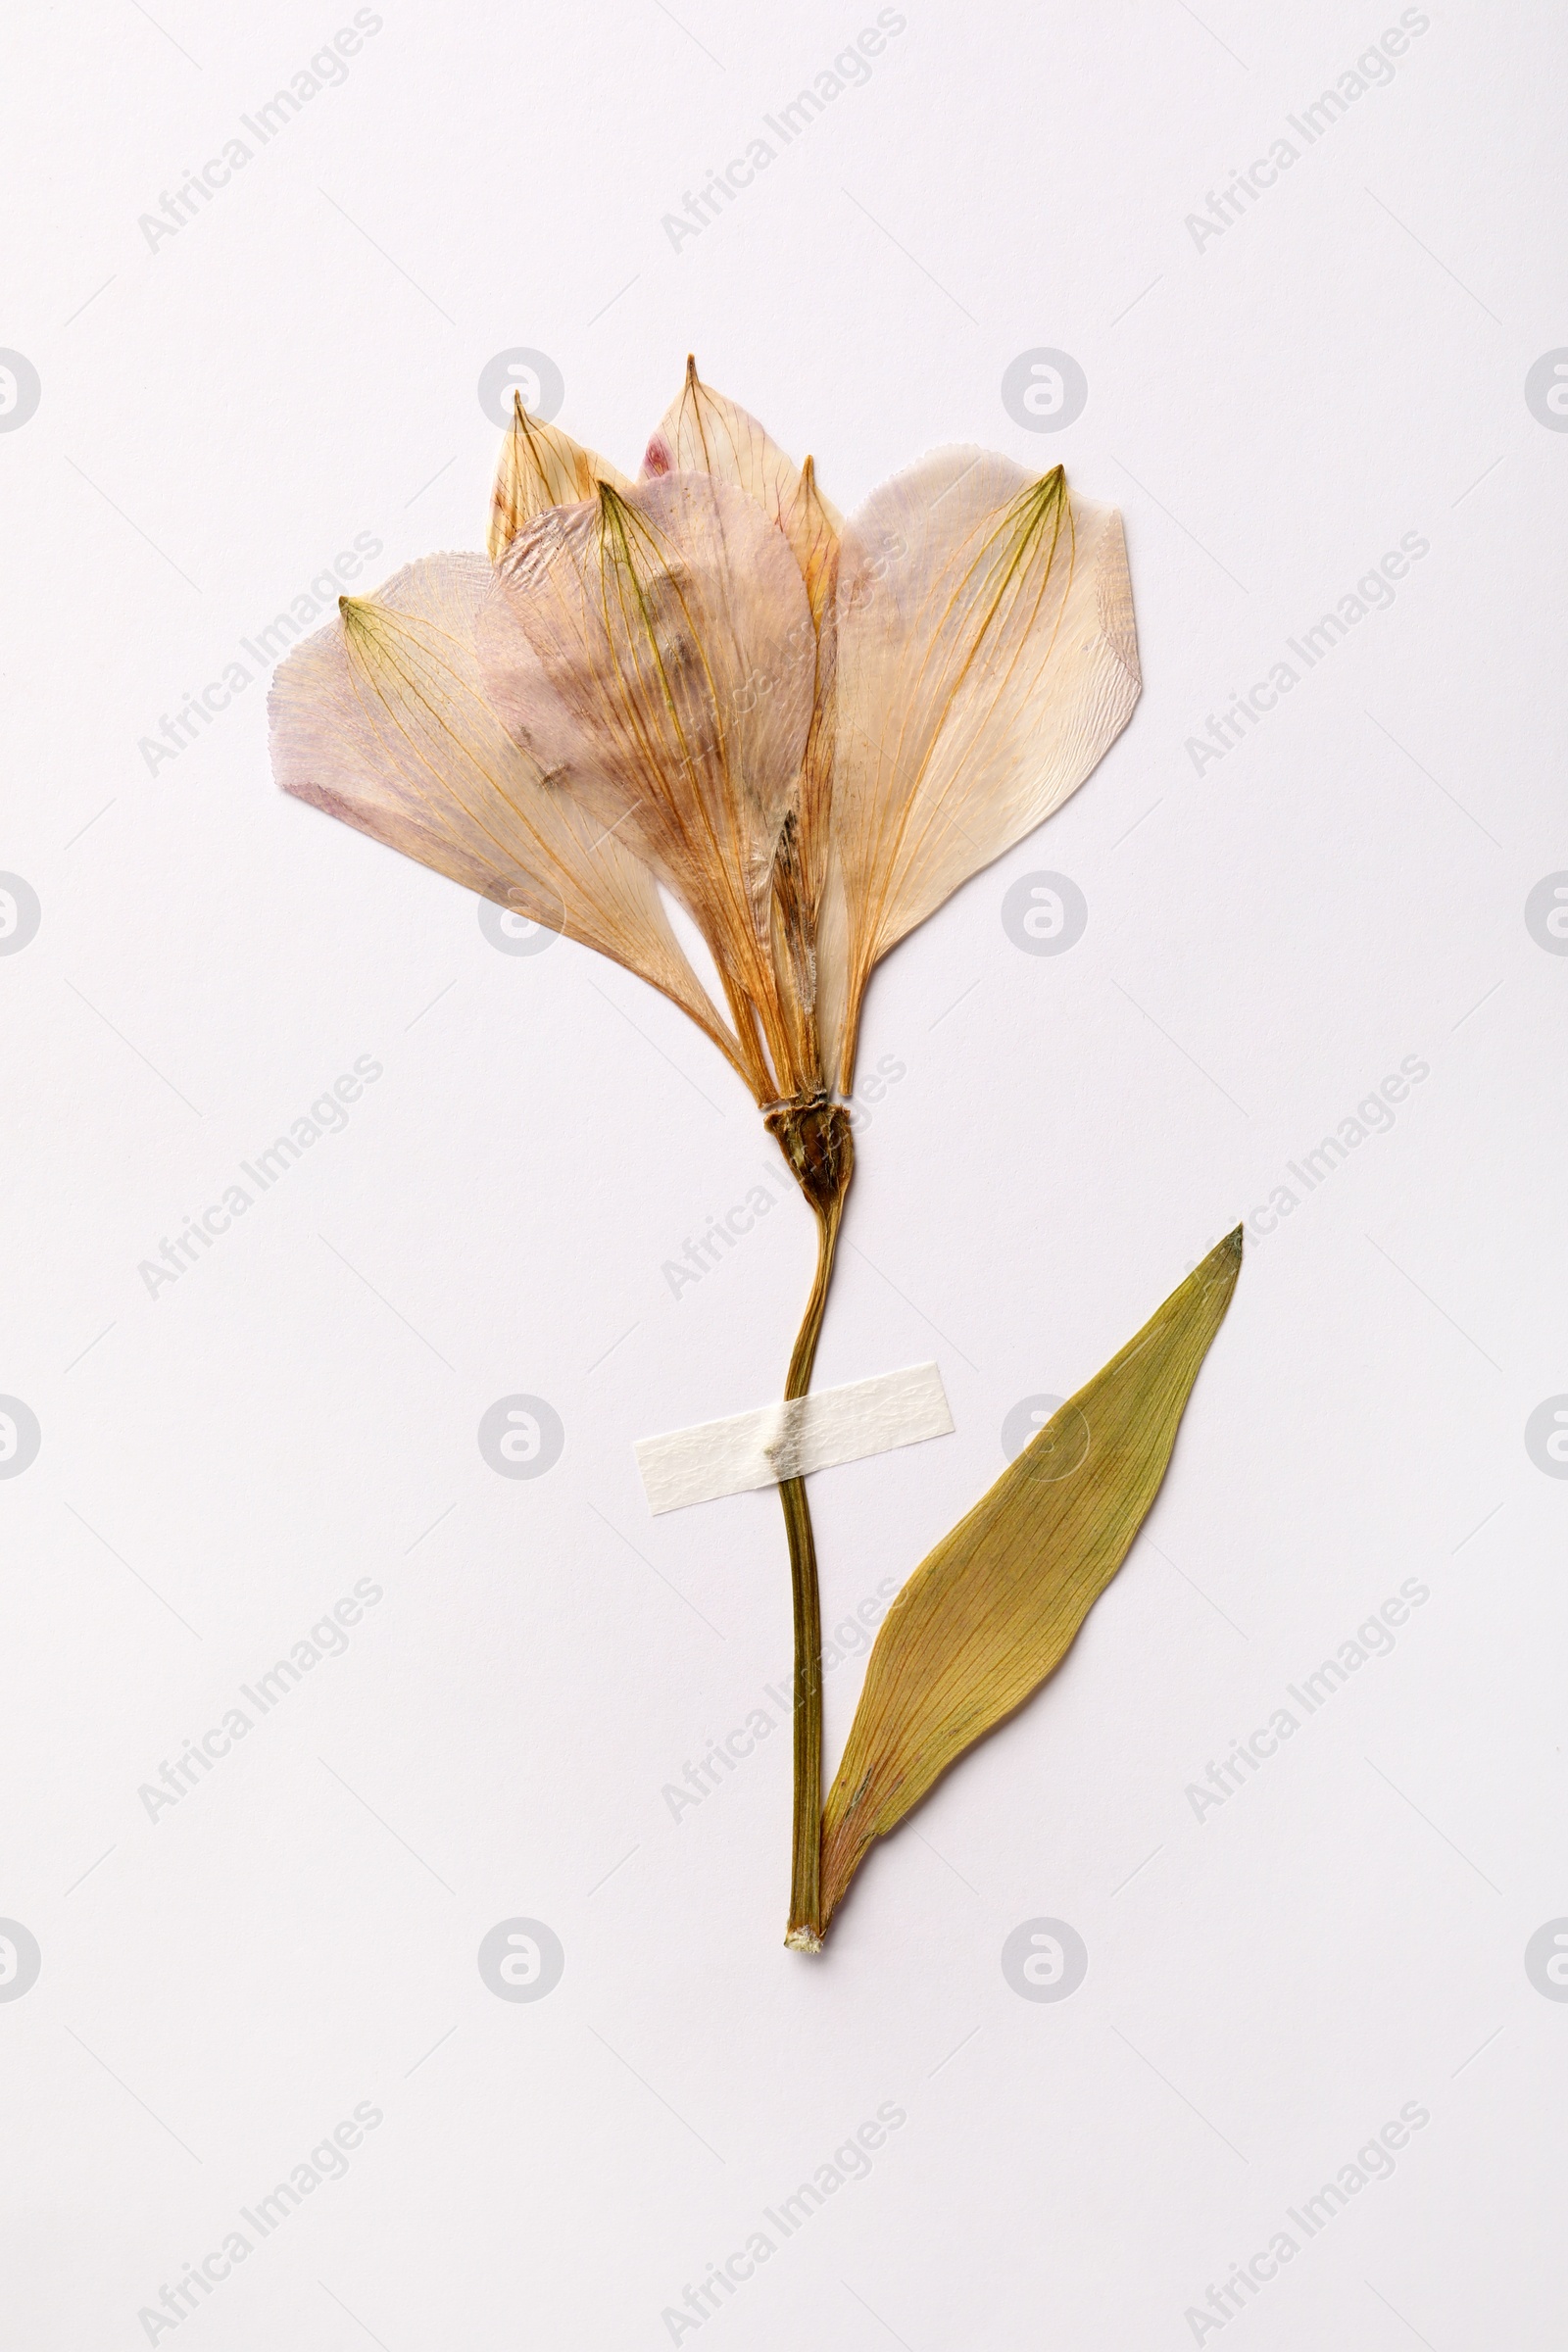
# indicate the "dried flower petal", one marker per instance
pixel 541 467
pixel 812 529
pixel 985 660
pixel 996 1605
pixel 381 719
pixel 702 432
pixel 656 652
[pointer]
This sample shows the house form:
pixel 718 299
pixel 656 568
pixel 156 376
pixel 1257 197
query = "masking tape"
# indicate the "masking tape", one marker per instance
pixel 786 1440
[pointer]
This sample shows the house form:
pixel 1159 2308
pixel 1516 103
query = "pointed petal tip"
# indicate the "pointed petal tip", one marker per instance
pixel 692 378
pixel 1232 1241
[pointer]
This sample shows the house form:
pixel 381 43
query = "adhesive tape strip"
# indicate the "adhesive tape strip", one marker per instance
pixel 786 1440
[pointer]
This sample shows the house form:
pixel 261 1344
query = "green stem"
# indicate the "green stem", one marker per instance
pixel 805 1930
pixel 813 1133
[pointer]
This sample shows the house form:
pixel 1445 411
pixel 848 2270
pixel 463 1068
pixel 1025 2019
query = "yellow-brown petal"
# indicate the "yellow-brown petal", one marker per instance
pixel 540 467
pixel 704 432
pixel 381 719
pixel 657 651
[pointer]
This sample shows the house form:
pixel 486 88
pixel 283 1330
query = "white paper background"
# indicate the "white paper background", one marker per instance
pixel 1266 941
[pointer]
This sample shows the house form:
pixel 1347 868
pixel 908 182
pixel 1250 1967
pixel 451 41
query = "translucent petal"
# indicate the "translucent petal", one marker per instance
pixel 381 719
pixel 985 660
pixel 702 432
pixel 657 651
pixel 540 467
pixel 813 527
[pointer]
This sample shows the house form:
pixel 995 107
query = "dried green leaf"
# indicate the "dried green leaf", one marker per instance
pixel 996 1605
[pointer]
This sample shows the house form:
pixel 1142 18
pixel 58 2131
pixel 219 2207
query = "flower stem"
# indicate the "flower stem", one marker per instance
pixel 814 1135
pixel 805 1930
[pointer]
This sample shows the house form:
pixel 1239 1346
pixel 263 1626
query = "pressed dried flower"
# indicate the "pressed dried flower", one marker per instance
pixel 808 731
